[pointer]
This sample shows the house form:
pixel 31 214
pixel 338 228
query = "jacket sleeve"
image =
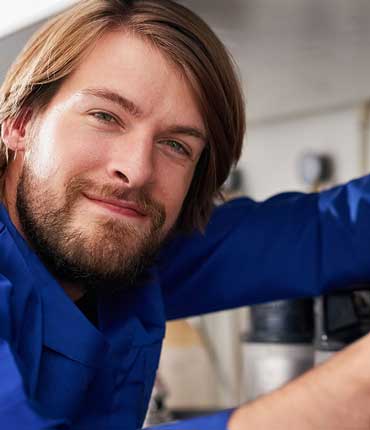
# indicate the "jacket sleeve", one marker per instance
pixel 17 412
pixel 291 245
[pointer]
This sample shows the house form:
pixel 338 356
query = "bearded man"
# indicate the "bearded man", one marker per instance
pixel 120 121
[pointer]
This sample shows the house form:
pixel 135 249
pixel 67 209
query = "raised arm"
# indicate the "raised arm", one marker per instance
pixel 292 245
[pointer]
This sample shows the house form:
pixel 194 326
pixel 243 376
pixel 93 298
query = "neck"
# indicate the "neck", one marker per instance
pixel 73 291
pixel 10 195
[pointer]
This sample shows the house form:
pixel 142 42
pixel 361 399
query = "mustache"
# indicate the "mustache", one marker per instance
pixel 140 197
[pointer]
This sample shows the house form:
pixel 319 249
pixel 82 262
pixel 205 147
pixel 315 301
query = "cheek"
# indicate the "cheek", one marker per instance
pixel 42 157
pixel 61 146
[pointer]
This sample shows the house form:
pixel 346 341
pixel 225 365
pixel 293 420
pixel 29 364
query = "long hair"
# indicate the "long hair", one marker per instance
pixel 55 51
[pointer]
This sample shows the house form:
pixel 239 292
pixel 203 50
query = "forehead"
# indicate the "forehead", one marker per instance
pixel 139 71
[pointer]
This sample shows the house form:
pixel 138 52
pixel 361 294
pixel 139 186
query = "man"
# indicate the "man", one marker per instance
pixel 119 123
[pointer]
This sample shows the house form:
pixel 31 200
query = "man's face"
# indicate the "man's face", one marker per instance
pixel 109 162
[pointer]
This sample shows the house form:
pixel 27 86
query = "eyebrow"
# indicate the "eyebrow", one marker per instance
pixel 114 97
pixel 135 111
pixel 188 131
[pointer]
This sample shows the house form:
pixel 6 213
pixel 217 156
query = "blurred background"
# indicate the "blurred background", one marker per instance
pixel 305 69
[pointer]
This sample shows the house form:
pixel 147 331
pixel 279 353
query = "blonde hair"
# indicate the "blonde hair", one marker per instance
pixel 59 46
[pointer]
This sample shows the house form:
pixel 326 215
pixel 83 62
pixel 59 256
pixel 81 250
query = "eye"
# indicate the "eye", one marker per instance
pixel 104 117
pixel 177 147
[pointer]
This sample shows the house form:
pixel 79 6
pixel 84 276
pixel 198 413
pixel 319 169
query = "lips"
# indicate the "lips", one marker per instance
pixel 120 206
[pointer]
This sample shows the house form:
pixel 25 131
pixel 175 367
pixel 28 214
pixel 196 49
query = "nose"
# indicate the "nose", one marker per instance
pixel 132 161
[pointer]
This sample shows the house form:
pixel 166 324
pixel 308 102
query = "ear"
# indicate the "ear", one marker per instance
pixel 14 132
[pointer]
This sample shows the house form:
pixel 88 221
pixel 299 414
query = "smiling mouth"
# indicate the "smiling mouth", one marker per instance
pixel 119 207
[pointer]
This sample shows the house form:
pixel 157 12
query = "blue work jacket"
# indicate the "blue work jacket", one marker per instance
pixel 57 370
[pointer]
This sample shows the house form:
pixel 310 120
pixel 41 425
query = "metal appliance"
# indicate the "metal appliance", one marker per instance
pixel 278 347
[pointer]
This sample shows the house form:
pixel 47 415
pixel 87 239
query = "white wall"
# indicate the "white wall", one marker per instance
pixel 272 151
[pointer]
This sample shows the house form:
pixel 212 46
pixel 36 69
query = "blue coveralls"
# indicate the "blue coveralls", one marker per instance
pixel 57 370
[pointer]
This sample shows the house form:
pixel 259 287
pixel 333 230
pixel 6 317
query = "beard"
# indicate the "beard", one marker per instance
pixel 107 253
